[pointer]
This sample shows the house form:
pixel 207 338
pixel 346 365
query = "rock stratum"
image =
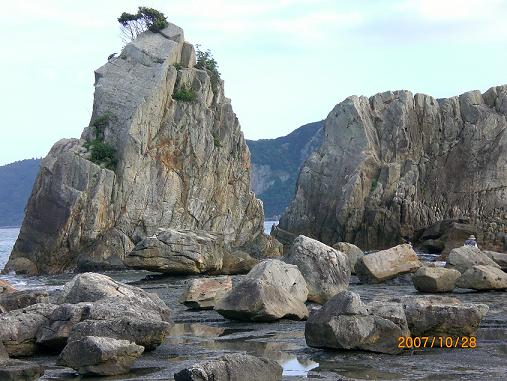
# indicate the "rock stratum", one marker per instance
pixel 395 163
pixel 181 165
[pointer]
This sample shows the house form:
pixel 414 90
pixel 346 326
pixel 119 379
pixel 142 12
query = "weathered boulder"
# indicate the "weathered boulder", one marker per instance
pixel 443 236
pixel 271 290
pixel 465 257
pixel 177 164
pixel 21 299
pixel 18 328
pixel 387 264
pixel 441 316
pixel 435 279
pixel 6 287
pixel 204 293
pixel 239 262
pixel 232 367
pixel 326 270
pixel 345 322
pixel 17 370
pixel 92 287
pixel 55 332
pixel 482 277
pixel 393 164
pixel 499 258
pixel 178 252
pixel 147 333
pixel 102 356
pixel 353 253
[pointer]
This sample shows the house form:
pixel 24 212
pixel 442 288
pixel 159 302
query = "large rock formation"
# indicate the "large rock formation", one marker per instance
pixel 396 163
pixel 178 164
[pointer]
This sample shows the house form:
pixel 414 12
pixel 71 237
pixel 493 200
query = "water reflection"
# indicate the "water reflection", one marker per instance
pixel 297 367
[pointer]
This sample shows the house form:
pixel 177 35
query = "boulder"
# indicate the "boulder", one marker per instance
pixel 101 356
pixel 6 287
pixel 232 367
pixel 203 293
pixel 441 316
pixel 18 328
pixel 55 333
pixel 483 278
pixel 443 236
pixel 394 163
pixel 147 333
pixel 92 287
pixel 326 270
pixel 238 262
pixel 435 279
pixel 17 370
pixel 387 264
pixel 464 257
pixel 21 299
pixel 499 258
pixel 271 290
pixel 345 322
pixel 178 252
pixel 352 252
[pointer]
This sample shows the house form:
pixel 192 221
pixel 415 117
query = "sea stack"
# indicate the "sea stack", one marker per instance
pixel 164 150
pixel 395 163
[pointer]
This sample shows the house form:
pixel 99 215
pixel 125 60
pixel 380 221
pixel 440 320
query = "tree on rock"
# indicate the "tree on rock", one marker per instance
pixel 132 25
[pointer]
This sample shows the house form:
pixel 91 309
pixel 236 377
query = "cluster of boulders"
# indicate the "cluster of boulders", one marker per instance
pixel 345 322
pixel 98 326
pixel 466 267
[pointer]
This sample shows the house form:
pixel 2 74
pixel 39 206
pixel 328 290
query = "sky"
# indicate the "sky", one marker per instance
pixel 285 62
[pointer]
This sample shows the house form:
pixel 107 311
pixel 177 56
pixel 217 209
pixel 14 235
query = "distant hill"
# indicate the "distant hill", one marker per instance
pixel 16 182
pixel 276 163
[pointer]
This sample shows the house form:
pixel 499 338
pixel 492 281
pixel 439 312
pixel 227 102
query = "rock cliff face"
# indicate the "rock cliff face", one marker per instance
pixel 396 163
pixel 179 164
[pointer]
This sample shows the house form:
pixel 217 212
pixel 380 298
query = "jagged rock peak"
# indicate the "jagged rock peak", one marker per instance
pixel 164 149
pixel 395 163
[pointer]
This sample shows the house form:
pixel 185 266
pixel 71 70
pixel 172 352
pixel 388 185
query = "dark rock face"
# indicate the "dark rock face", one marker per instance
pixel 179 165
pixel 17 370
pixel 21 299
pixel 396 163
pixel 232 367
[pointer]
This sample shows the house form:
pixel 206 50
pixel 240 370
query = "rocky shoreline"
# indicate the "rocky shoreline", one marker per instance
pixel 193 335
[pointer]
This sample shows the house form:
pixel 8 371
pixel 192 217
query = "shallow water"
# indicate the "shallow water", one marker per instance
pixel 205 334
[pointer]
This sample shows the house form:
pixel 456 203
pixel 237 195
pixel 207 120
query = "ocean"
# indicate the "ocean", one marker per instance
pixel 7 239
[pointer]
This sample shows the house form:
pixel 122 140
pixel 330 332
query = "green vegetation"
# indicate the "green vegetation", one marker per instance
pixel 185 94
pixel 205 61
pixel 216 140
pixel 177 66
pixel 374 184
pixel 101 153
pixel 132 25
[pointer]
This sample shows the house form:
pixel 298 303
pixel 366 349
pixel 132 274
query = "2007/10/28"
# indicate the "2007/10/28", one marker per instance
pixel 407 342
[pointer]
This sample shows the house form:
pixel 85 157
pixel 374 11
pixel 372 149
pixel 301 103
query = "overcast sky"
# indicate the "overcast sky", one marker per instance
pixel 285 62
